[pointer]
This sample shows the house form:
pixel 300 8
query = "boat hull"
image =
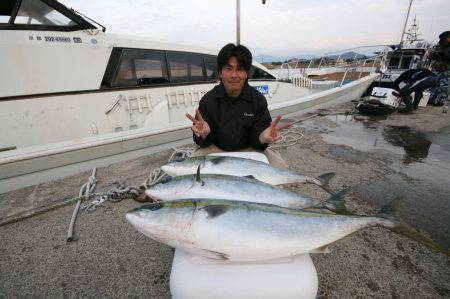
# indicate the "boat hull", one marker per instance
pixel 36 164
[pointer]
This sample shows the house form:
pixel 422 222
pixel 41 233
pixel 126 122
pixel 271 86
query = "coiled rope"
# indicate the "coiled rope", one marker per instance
pixel 85 192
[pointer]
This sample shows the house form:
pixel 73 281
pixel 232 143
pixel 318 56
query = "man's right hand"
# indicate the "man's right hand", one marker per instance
pixel 200 127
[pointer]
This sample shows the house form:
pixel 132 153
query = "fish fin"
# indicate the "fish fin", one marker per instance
pixel 216 210
pixel 198 178
pixel 214 254
pixel 325 181
pixel 250 177
pixel 336 203
pixel 322 249
pixel 391 212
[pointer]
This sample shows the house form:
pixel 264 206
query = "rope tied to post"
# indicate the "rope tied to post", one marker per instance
pixel 85 192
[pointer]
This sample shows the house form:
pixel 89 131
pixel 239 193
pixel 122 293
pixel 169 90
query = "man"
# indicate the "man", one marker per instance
pixel 417 80
pixel 233 116
pixel 439 60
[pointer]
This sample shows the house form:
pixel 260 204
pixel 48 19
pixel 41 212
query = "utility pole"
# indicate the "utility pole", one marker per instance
pixel 238 20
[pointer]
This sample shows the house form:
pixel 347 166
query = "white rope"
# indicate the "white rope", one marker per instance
pixel 85 191
pixel 157 174
pixel 287 138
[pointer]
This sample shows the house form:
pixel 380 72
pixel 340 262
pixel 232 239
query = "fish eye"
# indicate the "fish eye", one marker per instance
pixel 153 206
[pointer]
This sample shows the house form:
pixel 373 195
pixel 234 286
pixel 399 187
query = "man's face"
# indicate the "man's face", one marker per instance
pixel 233 77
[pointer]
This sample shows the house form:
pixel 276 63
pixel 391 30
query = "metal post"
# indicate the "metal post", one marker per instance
pixel 406 22
pixel 361 70
pixel 309 65
pixel 320 63
pixel 238 22
pixel 343 78
pixel 337 60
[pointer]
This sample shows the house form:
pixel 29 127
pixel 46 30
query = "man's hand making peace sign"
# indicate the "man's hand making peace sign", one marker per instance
pixel 200 127
pixel 273 133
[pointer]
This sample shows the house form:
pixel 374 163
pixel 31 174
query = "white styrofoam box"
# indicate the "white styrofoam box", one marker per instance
pixel 385 96
pixel 424 101
pixel 246 155
pixel 196 277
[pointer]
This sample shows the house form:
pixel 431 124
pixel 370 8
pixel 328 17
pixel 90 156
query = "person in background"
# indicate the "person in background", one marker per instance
pixel 438 59
pixel 233 116
pixel 417 80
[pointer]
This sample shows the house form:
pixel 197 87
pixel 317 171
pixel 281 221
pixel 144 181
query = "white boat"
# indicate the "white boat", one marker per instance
pixel 73 97
pixel 405 56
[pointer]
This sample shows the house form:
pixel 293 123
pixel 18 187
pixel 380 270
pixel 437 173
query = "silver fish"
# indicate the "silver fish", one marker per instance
pixel 246 232
pixel 244 167
pixel 218 186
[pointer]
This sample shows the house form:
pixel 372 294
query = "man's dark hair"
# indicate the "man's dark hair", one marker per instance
pixel 444 35
pixel 242 54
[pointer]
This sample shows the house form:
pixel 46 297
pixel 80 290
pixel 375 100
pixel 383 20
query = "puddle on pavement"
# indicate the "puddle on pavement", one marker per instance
pixel 421 156
pixel 415 144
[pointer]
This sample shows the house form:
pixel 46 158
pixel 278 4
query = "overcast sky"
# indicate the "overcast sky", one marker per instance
pixel 280 27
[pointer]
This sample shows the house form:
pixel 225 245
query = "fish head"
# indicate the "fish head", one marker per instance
pixel 182 166
pixel 166 222
pixel 170 188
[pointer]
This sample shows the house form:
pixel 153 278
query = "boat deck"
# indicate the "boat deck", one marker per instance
pixel 404 155
pixel 351 76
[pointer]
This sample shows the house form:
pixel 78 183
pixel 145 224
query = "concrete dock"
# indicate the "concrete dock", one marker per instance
pixel 381 158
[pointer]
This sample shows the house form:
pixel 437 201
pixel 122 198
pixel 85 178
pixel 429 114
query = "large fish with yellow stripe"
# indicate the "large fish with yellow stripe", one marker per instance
pixel 245 232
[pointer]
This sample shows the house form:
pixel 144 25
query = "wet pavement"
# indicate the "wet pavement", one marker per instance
pixel 380 158
pixel 419 157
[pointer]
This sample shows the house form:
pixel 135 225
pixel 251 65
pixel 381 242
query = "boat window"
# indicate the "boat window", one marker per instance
pixel 39 13
pixel 393 62
pixel 4 19
pixel 6 8
pixel 406 61
pixel 138 67
pixel 185 67
pixel 149 68
pixel 212 74
pixel 257 73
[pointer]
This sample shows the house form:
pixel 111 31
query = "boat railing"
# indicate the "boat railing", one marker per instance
pixel 382 57
pixel 297 73
pixel 301 81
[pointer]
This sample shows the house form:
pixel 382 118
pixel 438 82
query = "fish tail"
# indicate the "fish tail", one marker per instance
pixel 336 203
pixel 391 212
pixel 324 180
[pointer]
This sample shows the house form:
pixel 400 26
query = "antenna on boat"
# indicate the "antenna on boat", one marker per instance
pixel 77 12
pixel 406 22
pixel 238 20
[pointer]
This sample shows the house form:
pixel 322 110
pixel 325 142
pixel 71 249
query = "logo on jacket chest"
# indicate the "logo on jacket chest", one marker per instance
pixel 248 114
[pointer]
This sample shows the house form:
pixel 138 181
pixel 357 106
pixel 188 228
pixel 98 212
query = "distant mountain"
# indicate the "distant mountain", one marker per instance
pixel 269 58
pixel 348 55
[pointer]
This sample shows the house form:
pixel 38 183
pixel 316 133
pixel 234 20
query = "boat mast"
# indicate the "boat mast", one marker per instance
pixel 406 22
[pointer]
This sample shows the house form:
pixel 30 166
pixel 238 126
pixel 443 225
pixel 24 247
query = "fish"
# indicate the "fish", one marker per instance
pixel 218 186
pixel 238 231
pixel 244 167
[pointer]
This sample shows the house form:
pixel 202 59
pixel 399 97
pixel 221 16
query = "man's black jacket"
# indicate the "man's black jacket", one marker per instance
pixel 411 76
pixel 235 123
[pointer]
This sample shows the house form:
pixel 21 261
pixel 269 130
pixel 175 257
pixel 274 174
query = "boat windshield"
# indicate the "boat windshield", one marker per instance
pixel 40 15
pixel 37 12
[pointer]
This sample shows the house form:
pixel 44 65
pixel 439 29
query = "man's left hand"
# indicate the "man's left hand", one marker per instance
pixel 273 133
